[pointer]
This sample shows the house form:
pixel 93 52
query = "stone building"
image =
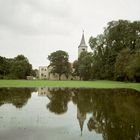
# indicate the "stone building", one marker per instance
pixel 45 71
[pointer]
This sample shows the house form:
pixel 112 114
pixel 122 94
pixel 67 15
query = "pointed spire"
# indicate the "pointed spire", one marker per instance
pixel 81 118
pixel 82 43
pixel 83 39
pixel 81 123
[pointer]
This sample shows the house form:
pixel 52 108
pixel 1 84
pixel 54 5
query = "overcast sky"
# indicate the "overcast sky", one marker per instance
pixel 35 28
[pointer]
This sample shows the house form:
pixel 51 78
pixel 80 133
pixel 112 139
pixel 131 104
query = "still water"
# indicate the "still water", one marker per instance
pixel 69 114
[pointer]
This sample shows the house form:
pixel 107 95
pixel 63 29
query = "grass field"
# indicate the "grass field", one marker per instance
pixel 88 84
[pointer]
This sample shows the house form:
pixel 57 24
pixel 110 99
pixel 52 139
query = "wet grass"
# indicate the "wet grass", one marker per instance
pixel 86 84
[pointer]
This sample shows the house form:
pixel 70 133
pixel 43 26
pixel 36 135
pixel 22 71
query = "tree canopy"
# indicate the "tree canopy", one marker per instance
pixel 15 68
pixel 115 53
pixel 59 63
pixel 82 67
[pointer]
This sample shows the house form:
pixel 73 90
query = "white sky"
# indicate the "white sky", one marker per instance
pixel 35 28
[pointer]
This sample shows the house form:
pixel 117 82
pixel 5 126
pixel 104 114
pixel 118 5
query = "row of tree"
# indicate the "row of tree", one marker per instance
pixel 15 68
pixel 115 56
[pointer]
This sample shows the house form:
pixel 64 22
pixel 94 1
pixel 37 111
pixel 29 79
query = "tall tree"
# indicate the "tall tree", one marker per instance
pixel 3 67
pixel 21 67
pixel 85 66
pixel 15 68
pixel 121 64
pixel 118 35
pixel 133 67
pixel 59 62
pixel 75 68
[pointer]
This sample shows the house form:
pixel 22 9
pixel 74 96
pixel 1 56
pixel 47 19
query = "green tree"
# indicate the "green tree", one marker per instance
pixel 133 67
pixel 85 66
pixel 76 68
pixel 127 66
pixel 21 67
pixel 97 45
pixel 34 73
pixel 5 67
pixel 15 68
pixel 121 64
pixel 118 35
pixel 59 62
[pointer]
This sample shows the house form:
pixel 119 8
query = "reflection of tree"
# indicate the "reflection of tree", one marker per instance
pixel 17 96
pixel 115 112
pixel 59 100
pixel 82 99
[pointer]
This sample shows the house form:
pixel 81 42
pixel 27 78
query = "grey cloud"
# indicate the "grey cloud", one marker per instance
pixel 59 8
pixel 37 27
pixel 36 17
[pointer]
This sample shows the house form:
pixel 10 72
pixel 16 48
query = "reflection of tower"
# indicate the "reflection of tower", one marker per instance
pixel 82 47
pixel 81 118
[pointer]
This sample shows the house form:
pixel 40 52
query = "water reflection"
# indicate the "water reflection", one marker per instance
pixel 115 112
pixel 58 101
pixel 16 96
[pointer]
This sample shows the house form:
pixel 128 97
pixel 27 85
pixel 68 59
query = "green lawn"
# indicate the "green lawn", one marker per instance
pixel 88 84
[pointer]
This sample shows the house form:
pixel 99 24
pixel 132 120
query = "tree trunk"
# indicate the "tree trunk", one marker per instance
pixel 59 76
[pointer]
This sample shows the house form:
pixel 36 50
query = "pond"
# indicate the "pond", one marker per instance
pixel 69 114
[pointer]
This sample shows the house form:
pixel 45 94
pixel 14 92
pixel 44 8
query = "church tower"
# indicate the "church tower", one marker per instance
pixel 82 47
